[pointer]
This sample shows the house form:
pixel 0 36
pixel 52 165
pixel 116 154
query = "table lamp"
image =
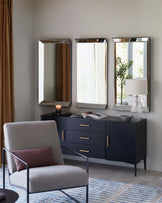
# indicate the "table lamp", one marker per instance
pixel 136 88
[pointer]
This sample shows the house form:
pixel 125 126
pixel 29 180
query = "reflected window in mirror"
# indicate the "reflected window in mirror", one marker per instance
pixel 131 61
pixel 54 72
pixel 92 73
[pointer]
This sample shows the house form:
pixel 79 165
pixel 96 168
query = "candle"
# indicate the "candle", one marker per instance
pixel 58 108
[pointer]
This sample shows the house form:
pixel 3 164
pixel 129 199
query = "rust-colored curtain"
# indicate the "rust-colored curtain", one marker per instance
pixel 6 68
pixel 63 72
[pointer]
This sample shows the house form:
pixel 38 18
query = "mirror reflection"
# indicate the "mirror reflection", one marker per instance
pixel 54 72
pixel 132 61
pixel 92 73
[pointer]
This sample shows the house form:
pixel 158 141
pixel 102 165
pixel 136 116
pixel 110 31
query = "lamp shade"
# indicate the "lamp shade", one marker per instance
pixel 136 86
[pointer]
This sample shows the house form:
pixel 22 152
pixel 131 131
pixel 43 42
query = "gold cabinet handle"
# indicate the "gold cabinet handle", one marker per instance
pixel 107 140
pixel 82 150
pixel 63 136
pixel 85 125
pixel 85 138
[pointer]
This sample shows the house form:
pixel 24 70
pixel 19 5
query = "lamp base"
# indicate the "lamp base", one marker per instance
pixel 136 107
pixel 136 116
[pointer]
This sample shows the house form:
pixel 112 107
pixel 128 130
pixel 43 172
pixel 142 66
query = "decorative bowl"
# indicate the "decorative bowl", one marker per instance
pixel 125 118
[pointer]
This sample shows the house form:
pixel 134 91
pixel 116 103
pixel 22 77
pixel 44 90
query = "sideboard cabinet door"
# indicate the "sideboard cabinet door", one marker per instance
pixel 126 141
pixel 61 126
pixel 120 142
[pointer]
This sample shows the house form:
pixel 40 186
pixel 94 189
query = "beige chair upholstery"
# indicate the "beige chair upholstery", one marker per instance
pixel 37 134
pixel 31 135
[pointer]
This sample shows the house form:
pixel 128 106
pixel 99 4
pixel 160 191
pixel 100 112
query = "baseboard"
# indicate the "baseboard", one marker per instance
pixel 103 161
pixel 150 165
pixel 154 166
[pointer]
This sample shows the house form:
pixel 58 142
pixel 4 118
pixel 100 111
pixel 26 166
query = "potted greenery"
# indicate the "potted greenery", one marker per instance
pixel 121 73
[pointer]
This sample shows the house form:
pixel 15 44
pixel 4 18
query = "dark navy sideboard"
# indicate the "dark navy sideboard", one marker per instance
pixel 109 138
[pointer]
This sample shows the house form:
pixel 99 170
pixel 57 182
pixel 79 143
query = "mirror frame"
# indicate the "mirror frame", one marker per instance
pixel 40 87
pixel 96 40
pixel 134 39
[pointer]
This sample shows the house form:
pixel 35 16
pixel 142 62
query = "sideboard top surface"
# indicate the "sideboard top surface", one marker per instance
pixel 108 118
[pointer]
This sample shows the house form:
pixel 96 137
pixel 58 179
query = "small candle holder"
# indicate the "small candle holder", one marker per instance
pixel 58 108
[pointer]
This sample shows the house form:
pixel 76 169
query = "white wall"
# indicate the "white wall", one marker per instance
pixel 92 18
pixel 24 72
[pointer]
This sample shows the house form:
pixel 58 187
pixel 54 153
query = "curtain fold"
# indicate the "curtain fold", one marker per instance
pixel 63 72
pixel 6 68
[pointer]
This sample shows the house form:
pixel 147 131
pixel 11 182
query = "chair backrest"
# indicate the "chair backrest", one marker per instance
pixel 31 135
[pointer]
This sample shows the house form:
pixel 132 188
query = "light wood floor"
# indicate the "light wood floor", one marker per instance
pixel 121 174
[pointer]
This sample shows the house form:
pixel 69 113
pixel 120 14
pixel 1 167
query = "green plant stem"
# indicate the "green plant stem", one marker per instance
pixel 121 101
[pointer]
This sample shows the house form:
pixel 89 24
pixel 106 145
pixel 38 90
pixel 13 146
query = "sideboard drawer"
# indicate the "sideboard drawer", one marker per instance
pixel 86 138
pixel 81 124
pixel 88 150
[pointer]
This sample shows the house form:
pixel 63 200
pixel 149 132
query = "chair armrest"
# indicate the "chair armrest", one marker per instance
pixel 79 154
pixel 12 154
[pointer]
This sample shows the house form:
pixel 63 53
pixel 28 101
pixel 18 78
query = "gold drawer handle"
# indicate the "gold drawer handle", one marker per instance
pixel 82 150
pixel 107 141
pixel 63 137
pixel 85 125
pixel 85 138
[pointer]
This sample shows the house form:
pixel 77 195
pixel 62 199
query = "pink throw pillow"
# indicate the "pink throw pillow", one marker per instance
pixel 34 157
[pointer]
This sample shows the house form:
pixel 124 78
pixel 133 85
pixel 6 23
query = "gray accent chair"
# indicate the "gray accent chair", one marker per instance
pixel 37 134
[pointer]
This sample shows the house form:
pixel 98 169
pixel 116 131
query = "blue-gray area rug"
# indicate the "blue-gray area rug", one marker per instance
pixel 100 191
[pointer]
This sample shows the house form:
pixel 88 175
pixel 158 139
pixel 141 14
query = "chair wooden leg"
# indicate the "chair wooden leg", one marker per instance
pixel 87 194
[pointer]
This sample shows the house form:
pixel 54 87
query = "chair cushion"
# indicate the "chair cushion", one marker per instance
pixel 50 178
pixel 34 157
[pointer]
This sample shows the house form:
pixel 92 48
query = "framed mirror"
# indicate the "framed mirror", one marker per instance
pixel 131 61
pixel 54 64
pixel 92 73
